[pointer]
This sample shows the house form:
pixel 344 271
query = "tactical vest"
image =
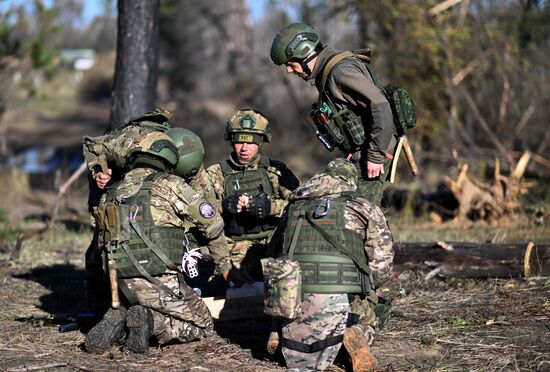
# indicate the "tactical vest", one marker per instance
pixel 135 246
pixel 243 226
pixel 332 258
pixel 345 128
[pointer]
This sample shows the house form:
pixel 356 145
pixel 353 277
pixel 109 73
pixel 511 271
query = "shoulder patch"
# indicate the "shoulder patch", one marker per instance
pixel 207 210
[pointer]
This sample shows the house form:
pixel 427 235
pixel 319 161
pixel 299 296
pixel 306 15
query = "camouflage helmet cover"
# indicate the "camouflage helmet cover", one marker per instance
pixel 158 115
pixel 190 151
pixel 340 176
pixel 342 168
pixel 157 145
pixel 295 41
pixel 248 126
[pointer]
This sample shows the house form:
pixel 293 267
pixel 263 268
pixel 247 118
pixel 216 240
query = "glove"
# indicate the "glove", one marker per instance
pixel 229 204
pixel 260 207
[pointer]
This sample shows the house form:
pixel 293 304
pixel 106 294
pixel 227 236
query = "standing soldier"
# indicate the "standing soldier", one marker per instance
pixel 149 224
pixel 343 245
pixel 358 113
pixel 251 190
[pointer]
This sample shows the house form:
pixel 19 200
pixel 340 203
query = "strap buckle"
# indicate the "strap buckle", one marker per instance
pixel 134 209
pixel 322 209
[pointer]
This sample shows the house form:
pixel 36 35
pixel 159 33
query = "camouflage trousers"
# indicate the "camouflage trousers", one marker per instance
pixel 371 312
pixel 371 189
pixel 323 317
pixel 246 255
pixel 182 319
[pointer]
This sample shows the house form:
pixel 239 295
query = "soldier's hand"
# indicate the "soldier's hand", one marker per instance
pixel 230 204
pixel 260 206
pixel 374 170
pixel 243 203
pixel 102 179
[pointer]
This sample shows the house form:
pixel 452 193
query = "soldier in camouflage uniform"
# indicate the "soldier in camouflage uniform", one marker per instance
pixel 344 247
pixel 251 190
pixel 159 219
pixel 348 95
pixel 111 151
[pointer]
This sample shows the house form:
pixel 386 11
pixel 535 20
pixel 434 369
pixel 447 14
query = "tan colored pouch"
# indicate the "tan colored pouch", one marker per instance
pixel 283 288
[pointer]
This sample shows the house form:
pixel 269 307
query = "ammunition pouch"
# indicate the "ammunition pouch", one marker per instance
pixel 283 293
pixel 108 222
pixel 342 128
pixel 403 107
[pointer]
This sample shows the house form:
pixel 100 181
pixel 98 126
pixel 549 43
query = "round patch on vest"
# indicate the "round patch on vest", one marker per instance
pixel 207 210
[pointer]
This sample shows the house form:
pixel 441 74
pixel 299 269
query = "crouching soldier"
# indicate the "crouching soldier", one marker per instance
pixel 149 224
pixel 341 247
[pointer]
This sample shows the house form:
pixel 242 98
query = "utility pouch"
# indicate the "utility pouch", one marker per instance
pixel 322 118
pixel 352 126
pixel 283 288
pixel 402 106
pixel 108 221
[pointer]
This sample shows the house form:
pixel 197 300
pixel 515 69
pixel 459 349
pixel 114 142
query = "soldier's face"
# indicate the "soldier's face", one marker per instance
pixel 295 68
pixel 246 151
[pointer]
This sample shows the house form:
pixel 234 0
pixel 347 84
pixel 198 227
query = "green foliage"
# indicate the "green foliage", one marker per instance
pixel 460 323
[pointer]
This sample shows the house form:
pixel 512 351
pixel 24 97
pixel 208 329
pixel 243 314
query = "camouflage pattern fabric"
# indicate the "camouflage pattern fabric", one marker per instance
pixel 372 189
pixel 283 287
pixel 281 193
pixel 184 320
pixel 173 202
pixel 115 146
pixel 367 220
pixel 215 189
pixel 323 316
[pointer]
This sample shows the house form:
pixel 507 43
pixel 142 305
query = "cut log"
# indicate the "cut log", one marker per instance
pixel 475 260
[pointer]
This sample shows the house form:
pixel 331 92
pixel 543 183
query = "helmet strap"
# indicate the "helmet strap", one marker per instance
pixel 304 62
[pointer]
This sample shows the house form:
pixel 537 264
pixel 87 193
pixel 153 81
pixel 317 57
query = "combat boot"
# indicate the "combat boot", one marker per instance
pixel 272 343
pixel 357 345
pixel 140 323
pixel 108 331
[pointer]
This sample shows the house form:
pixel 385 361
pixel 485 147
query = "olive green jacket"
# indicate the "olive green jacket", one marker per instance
pixel 349 85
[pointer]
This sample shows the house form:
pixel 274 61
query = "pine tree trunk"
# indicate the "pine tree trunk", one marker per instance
pixel 136 70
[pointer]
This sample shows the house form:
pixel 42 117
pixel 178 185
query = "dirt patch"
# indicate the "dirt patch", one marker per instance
pixel 453 325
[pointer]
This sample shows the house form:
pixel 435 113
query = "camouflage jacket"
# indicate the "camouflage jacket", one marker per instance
pixel 360 215
pixel 349 85
pixel 173 201
pixel 282 179
pixel 114 146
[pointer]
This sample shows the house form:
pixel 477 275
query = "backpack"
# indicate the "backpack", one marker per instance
pixel 402 104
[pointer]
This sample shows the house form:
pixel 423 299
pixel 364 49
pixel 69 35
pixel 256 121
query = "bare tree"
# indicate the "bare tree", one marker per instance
pixel 136 70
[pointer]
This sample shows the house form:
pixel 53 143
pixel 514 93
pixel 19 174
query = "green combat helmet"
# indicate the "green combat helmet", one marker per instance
pixel 294 42
pixel 190 151
pixel 155 149
pixel 248 126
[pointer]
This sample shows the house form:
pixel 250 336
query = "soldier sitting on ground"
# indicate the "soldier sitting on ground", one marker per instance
pixel 251 189
pixel 146 223
pixel 343 245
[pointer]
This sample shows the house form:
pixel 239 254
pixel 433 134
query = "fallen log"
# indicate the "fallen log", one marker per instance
pixel 475 260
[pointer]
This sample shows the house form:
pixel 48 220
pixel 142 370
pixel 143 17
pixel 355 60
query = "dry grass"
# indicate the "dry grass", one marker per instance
pixel 452 325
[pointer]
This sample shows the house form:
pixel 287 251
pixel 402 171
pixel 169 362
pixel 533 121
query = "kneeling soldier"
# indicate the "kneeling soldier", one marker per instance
pixel 343 245
pixel 149 224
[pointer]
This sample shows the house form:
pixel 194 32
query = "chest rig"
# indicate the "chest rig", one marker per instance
pixel 136 247
pixel 332 257
pixel 243 226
